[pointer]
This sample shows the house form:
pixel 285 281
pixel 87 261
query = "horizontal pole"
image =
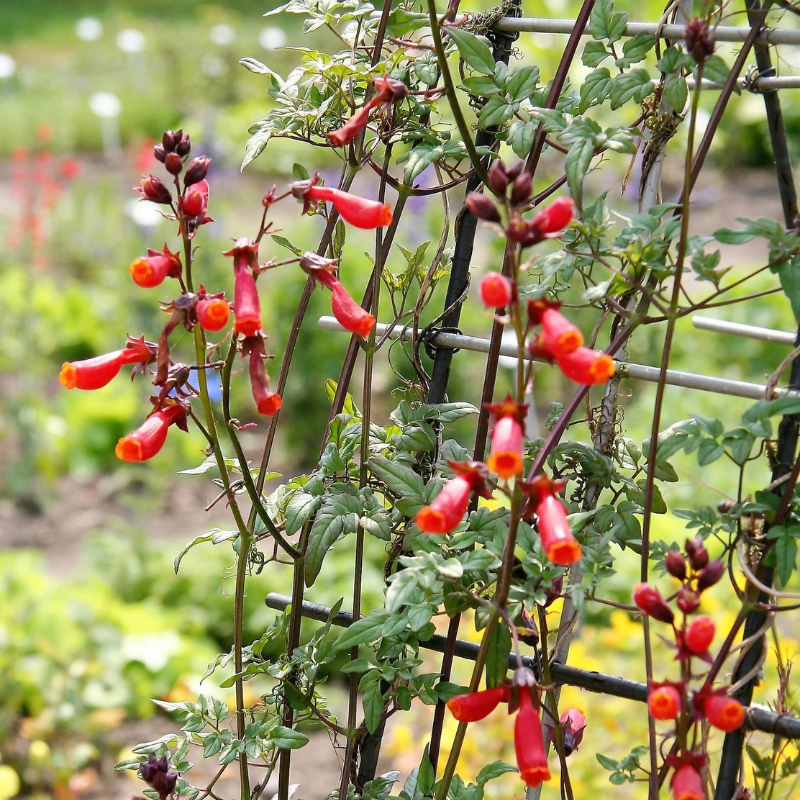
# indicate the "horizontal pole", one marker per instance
pixel 722 33
pixel 686 380
pixel 739 329
pixel 756 718
pixel 756 84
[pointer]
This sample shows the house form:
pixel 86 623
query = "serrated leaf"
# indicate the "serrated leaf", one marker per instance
pixel 576 165
pixel 605 23
pixel 633 85
pixel 400 480
pixel 716 70
pixel 595 88
pixel 255 145
pixel 373 706
pixel 475 52
pixel 329 525
pixel 496 111
pixel 594 54
pixel 676 91
pixel 522 82
pixel 301 508
pixel 637 47
pixel 520 137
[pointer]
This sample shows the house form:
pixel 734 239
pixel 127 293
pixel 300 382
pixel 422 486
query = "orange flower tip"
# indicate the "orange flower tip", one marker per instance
pixel 564 553
pixel 128 449
pixel 535 776
pixel 603 368
pixel 270 405
pixel 505 465
pixel 386 215
pixel 429 520
pixel 144 275
pixel 68 377
pixel 454 707
pixel 366 325
pixel 569 341
pixel 247 326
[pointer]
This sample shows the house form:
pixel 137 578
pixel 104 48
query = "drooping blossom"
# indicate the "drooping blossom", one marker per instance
pixel 506 459
pixel 152 189
pixel 665 700
pixel 496 290
pixel 529 742
pixel 349 314
pixel 267 402
pixel 573 723
pixel 475 706
pixel 388 90
pixel 723 712
pixel 559 336
pixel 94 373
pixel 649 600
pixel 149 437
pixel 450 505
pixel 357 211
pixel 246 303
pixel 547 224
pixel 687 784
pixel 212 313
pixel 153 269
pixel 587 366
pixel 558 543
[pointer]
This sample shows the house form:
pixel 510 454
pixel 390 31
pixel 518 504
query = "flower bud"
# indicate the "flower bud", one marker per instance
pixel 152 189
pixel 699 635
pixel 495 290
pixel 688 601
pixel 710 574
pixel 699 41
pixel 174 163
pixel 698 555
pixel 183 145
pixel 169 139
pixel 555 217
pixel 482 207
pixel 573 724
pixel 197 170
pixel 560 546
pixel 195 200
pixel 521 189
pixel 477 705
pixel 675 564
pixel 507 439
pixel 358 211
pixel 498 179
pixel 159 153
pixel 650 601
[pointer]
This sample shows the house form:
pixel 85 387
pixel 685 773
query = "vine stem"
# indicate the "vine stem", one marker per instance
pixel 657 411
pixel 452 97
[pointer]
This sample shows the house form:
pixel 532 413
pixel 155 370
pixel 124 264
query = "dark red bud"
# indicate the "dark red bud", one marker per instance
pixel 521 189
pixel 168 141
pixel 710 575
pixel 482 207
pixel 197 170
pixel 159 153
pixel 675 564
pixel 183 145
pixel 151 188
pixel 699 40
pixel 688 601
pixel 650 601
pixel 698 555
pixel 514 172
pixel 498 179
pixel 174 163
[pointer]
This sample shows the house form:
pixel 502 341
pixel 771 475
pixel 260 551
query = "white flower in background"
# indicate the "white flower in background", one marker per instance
pixel 90 29
pixel 105 105
pixel 7 66
pixel 131 41
pixel 271 38
pixel 144 213
pixel 222 34
pixel 213 66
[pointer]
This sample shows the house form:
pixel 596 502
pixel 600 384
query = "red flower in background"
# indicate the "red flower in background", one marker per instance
pixel 267 402
pixel 687 784
pixel 94 373
pixel 649 600
pixel 389 91
pixel 149 437
pixel 587 366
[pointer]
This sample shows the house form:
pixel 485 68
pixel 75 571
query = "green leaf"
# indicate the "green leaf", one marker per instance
pixel 783 554
pixel 493 770
pixel 676 92
pixel 287 739
pixel 418 158
pixel 604 23
pixel 595 88
pixel 474 51
pixel 709 451
pixel 284 242
pixel 364 630
pixel 256 144
pixel 496 111
pixel 637 47
pixel 401 589
pixel 522 82
pixel 400 480
pixel 673 60
pixel 716 70
pixel 497 656
pixel 520 137
pixel 576 164
pixel 215 536
pixel 606 762
pixel 301 508
pixel 789 276
pixel 633 85
pixel 334 520
pixel 425 775
pixel 594 54
pixel 373 704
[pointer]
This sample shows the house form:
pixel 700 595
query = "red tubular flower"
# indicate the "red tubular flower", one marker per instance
pixel 94 373
pixel 555 217
pixel 267 402
pixel 573 724
pixel 212 313
pixel 529 742
pixel 447 509
pixel 664 701
pixel 725 713
pixel 195 201
pixel 151 270
pixel 149 437
pixel 389 91
pixel 699 634
pixel 495 290
pixel 506 458
pixel 687 784
pixel 477 705
pixel 649 600
pixel 358 211
pixel 246 303
pixel 558 542
pixel 344 135
pixel 450 505
pixel 349 314
pixel 560 336
pixel 587 366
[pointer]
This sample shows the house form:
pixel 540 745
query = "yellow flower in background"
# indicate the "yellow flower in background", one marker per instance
pixel 9 782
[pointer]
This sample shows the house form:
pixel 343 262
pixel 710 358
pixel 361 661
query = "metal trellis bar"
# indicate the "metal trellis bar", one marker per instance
pixel 686 380
pixel 756 718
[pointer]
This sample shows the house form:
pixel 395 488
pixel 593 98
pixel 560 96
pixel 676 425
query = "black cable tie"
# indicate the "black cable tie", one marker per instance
pixel 429 337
